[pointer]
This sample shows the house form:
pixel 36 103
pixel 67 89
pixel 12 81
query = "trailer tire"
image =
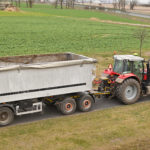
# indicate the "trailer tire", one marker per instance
pixel 67 106
pixel 85 103
pixel 129 91
pixel 6 116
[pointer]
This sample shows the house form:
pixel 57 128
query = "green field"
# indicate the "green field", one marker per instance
pixel 40 30
pixel 44 29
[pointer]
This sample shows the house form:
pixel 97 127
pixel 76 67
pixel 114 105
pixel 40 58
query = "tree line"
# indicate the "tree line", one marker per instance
pixel 29 3
pixel 117 4
pixel 121 4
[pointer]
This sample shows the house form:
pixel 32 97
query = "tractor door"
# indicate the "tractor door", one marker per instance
pixel 138 69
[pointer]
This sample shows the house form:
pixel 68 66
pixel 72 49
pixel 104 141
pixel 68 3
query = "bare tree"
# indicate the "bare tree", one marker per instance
pixel 56 3
pixel 123 4
pixel 120 4
pixel 27 3
pixel 30 3
pixel 59 2
pixel 73 3
pixel 115 4
pixel 17 3
pixel 67 3
pixel 70 3
pixel 133 3
pixel 141 35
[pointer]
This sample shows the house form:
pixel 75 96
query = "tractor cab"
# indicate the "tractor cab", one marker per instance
pixel 128 65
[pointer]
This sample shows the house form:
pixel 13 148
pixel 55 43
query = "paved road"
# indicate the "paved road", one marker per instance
pixel 132 14
pixel 51 111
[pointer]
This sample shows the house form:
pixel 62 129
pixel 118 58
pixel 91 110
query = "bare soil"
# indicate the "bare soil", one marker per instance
pixel 121 23
pixel 12 9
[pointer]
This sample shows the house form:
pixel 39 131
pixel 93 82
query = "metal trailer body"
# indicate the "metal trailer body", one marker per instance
pixel 27 82
pixel 34 76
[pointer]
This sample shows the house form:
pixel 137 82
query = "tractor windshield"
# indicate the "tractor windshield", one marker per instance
pixel 118 66
pixel 125 66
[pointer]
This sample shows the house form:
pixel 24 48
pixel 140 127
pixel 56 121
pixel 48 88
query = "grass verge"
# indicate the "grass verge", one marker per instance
pixel 117 128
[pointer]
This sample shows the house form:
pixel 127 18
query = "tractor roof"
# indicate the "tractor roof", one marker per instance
pixel 128 57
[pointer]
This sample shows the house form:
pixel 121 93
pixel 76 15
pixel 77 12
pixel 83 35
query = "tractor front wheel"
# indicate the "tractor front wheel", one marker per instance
pixel 129 91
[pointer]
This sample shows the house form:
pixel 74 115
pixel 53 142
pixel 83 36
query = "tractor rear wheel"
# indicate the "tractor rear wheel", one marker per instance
pixel 129 91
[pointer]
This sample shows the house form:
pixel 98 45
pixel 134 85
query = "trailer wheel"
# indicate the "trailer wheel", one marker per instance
pixel 85 103
pixel 6 116
pixel 129 91
pixel 67 106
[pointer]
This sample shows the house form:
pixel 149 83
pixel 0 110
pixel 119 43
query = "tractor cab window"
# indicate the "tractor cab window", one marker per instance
pixel 135 67
pixel 138 69
pixel 128 65
pixel 118 66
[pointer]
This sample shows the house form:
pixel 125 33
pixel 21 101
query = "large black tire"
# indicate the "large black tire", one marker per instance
pixel 6 116
pixel 129 91
pixel 67 106
pixel 85 103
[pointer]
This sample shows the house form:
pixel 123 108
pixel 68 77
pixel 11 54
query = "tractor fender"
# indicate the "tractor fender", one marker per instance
pixel 123 77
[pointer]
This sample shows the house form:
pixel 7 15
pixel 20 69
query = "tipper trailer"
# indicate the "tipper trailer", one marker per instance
pixel 62 79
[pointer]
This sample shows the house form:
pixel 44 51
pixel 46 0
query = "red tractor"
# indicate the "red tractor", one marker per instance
pixel 128 79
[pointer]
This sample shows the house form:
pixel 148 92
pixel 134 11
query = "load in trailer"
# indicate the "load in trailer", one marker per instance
pixel 61 79
pixel 128 79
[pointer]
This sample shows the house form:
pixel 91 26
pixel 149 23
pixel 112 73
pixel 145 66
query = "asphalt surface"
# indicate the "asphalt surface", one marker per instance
pixel 51 111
